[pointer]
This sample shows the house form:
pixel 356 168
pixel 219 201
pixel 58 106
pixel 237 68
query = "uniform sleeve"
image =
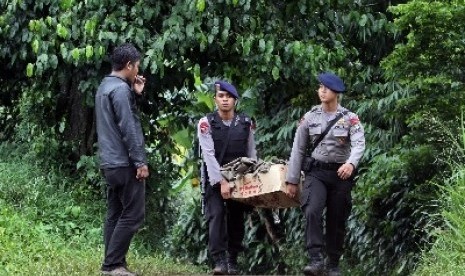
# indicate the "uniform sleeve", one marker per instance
pixel 251 148
pixel 129 126
pixel 298 151
pixel 208 151
pixel 357 140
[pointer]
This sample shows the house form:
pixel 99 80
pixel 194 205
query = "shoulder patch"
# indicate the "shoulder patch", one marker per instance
pixel 204 126
pixel 354 120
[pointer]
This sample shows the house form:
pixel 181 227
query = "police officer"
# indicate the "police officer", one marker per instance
pixel 224 135
pixel 328 183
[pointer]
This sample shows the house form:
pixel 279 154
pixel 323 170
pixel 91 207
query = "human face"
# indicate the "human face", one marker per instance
pixel 224 101
pixel 326 95
pixel 132 69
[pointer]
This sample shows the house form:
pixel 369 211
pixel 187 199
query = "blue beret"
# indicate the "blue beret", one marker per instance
pixel 332 81
pixel 226 86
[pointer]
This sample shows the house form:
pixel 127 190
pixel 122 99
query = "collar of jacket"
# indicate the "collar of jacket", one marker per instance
pixel 125 80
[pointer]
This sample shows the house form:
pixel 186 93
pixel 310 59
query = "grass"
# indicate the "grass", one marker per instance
pixel 47 228
pixel 447 256
pixel 30 250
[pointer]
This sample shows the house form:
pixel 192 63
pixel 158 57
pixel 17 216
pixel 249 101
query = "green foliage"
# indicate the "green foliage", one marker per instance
pixel 412 137
pixel 446 254
pixel 57 52
pixel 44 230
pixel 390 214
pixel 188 237
pixel 280 251
pixel 434 47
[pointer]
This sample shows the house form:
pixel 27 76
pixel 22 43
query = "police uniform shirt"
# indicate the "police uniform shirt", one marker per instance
pixel 208 148
pixel 345 141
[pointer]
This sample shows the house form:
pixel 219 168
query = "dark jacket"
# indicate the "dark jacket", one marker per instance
pixel 120 138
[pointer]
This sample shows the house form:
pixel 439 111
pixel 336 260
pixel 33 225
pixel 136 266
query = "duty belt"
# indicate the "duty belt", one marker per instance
pixel 327 166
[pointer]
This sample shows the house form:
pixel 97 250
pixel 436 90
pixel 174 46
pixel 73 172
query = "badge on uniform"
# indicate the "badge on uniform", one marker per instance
pixel 204 127
pixel 354 121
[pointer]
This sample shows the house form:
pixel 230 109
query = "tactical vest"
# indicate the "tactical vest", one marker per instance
pixel 238 136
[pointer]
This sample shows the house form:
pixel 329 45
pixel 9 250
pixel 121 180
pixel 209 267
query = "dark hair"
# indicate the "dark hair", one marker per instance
pixel 122 55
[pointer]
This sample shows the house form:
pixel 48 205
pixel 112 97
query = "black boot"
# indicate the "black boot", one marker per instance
pixel 316 267
pixel 334 271
pixel 333 267
pixel 233 268
pixel 221 267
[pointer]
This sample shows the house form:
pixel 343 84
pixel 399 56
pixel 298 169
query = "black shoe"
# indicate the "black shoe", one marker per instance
pixel 334 271
pixel 233 268
pixel 220 269
pixel 221 266
pixel 315 268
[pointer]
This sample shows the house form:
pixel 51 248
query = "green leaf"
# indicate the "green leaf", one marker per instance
pixel 61 128
pixel 200 5
pixel 75 211
pixel 35 46
pixel 75 54
pixel 363 20
pixel 66 4
pixel 190 30
pixel 262 45
pixel 53 61
pixel 227 23
pixel 32 24
pixel 197 78
pixel 89 51
pixel 62 31
pixel 183 138
pixel 205 98
pixel 275 73
pixel 63 51
pixel 246 45
pixel 30 70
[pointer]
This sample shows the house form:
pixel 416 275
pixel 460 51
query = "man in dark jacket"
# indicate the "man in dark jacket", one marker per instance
pixel 224 136
pixel 122 156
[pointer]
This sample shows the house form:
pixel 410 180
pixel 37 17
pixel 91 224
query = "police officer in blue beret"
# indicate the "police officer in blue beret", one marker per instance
pixel 224 135
pixel 329 173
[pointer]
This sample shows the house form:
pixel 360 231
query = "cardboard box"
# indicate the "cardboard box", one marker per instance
pixel 265 190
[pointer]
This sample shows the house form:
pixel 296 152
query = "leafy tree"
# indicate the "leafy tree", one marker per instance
pixel 56 52
pixel 396 196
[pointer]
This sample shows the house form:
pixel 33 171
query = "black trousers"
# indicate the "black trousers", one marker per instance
pixel 324 188
pixel 225 219
pixel 125 214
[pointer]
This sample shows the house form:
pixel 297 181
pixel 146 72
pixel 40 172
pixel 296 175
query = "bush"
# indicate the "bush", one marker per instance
pixel 390 217
pixel 446 255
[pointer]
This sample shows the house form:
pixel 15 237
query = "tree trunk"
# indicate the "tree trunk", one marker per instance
pixel 80 123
